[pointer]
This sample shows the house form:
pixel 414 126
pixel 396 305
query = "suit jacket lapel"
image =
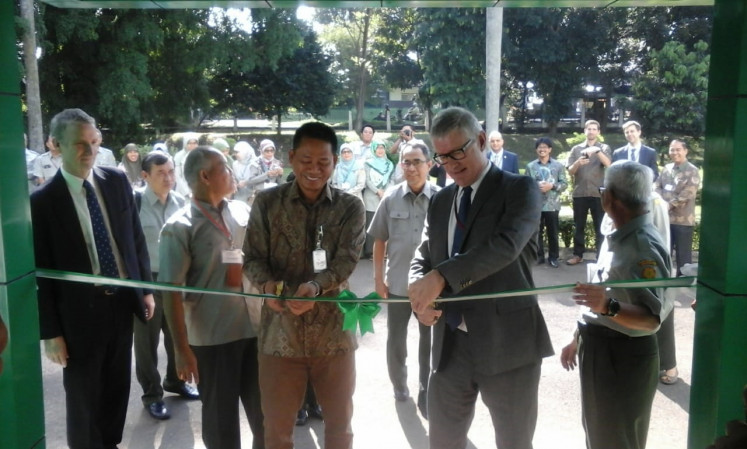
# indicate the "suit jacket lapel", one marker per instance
pixel 483 194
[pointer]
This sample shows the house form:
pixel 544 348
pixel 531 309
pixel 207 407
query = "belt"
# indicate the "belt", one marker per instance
pixel 104 290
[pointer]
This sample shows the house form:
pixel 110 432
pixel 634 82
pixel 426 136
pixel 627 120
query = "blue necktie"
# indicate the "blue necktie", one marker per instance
pixel 107 263
pixel 461 220
pixel 453 312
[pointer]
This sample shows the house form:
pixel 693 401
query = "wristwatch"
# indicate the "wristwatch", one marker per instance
pixel 613 308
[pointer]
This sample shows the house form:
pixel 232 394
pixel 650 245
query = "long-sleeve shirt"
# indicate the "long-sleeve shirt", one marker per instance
pixel 283 232
pixel 678 185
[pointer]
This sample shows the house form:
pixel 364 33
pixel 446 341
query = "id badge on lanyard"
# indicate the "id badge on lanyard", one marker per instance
pixel 319 255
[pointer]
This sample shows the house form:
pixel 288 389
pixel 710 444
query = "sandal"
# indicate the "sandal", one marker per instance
pixel 667 379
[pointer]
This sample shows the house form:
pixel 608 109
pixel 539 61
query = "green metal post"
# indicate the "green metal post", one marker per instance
pixel 21 400
pixel 720 360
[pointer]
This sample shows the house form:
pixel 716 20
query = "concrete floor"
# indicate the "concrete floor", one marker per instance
pixel 380 422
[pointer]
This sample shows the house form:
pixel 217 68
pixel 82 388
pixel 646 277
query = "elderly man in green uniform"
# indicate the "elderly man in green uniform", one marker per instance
pixel 303 241
pixel 214 341
pixel 617 391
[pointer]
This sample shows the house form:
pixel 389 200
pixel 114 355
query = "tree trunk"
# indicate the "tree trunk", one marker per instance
pixel 33 98
pixel 280 123
pixel 363 73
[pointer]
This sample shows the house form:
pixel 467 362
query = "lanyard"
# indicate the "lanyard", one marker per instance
pixel 221 227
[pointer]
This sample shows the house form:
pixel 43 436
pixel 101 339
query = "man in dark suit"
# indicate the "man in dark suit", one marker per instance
pixel 488 244
pixel 635 150
pixel 85 221
pixel 500 157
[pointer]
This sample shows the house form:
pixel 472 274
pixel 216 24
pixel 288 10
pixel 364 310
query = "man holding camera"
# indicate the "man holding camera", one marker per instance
pixel 586 165
pixel 406 135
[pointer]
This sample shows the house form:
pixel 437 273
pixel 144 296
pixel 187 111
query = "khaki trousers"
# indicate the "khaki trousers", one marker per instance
pixel 282 382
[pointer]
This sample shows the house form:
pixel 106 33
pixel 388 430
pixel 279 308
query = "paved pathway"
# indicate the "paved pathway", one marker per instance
pixel 380 422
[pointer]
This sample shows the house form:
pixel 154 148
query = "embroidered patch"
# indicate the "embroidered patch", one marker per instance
pixel 648 269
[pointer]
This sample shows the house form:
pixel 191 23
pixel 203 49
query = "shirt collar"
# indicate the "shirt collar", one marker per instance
pixel 295 193
pixel 427 190
pixel 629 227
pixel 476 185
pixel 74 183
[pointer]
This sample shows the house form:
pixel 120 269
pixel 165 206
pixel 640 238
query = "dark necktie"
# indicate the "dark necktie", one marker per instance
pixel 453 312
pixel 461 220
pixel 107 263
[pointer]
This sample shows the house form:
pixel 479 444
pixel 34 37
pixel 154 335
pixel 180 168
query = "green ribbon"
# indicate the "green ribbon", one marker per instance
pixel 358 313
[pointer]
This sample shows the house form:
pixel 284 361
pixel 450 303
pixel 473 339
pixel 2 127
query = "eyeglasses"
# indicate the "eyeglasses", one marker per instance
pixel 413 163
pixel 601 190
pixel 268 150
pixel 347 151
pixel 455 155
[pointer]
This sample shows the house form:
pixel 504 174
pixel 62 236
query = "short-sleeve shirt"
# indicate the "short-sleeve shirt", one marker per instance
pixel 399 220
pixel 589 177
pixel 283 233
pixel 191 248
pixel 46 165
pixel 153 216
pixel 636 251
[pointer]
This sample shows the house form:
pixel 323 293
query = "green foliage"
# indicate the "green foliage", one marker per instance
pixel 452 49
pixel 300 81
pixel 671 94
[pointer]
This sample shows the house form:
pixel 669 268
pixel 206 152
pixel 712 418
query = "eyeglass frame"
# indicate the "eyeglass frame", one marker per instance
pixel 415 163
pixel 439 158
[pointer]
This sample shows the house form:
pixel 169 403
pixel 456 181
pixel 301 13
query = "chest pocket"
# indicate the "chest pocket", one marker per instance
pixel 400 220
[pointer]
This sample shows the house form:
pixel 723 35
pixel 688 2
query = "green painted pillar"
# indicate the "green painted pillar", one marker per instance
pixel 21 400
pixel 720 358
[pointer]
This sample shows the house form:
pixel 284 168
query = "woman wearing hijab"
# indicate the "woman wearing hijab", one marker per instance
pixel 132 165
pixel 349 175
pixel 244 158
pixel 378 175
pixel 266 171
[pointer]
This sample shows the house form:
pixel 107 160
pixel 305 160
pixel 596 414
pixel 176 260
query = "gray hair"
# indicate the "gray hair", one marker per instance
pixel 63 120
pixel 201 158
pixel 496 134
pixel 630 182
pixel 455 119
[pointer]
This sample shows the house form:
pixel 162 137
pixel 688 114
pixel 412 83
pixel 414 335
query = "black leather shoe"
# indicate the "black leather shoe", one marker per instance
pixel 554 263
pixel 302 418
pixel 315 411
pixel 184 390
pixel 158 410
pixel 402 395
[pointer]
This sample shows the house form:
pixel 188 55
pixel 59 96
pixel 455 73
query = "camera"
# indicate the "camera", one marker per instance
pixel 407 132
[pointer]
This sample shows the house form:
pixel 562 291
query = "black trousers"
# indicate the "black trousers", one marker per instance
pixel 581 207
pixel 549 223
pixel 229 374
pixel 682 244
pixel 619 375
pixel 97 381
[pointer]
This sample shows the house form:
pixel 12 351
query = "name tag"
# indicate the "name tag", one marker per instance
pixel 319 256
pixel 232 256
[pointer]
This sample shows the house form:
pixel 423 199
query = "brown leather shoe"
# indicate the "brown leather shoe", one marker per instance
pixel 575 260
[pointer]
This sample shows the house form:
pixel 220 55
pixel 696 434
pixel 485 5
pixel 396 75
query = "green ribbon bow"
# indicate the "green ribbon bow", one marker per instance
pixel 357 314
